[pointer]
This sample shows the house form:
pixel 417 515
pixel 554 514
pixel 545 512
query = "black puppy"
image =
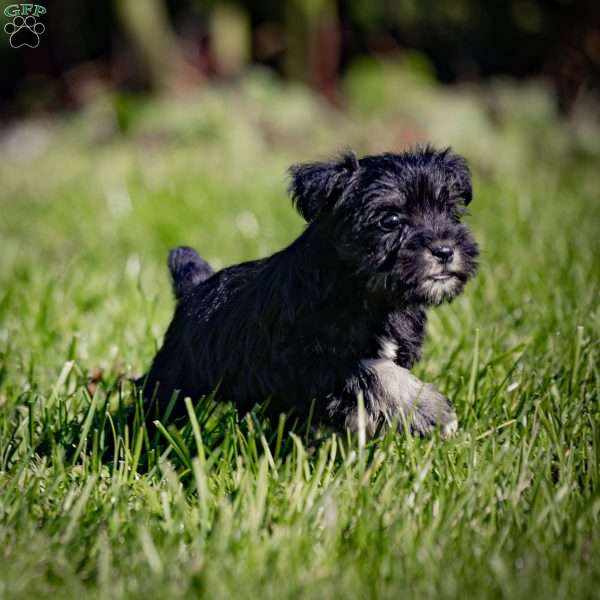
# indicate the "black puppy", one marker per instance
pixel 338 313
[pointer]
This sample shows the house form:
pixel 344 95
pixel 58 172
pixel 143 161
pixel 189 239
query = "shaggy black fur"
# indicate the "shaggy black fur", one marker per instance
pixel 338 313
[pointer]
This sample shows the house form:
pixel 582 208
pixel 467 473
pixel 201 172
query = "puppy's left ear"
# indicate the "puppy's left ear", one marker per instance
pixel 459 177
pixel 315 187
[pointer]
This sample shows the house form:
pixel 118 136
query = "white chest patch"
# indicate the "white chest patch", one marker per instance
pixel 387 348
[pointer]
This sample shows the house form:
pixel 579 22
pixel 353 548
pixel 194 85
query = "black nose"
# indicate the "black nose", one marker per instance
pixel 443 254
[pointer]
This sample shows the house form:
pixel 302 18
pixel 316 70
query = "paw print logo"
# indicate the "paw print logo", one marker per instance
pixel 24 31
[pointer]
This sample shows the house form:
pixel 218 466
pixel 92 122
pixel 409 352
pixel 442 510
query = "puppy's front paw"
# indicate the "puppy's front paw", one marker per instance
pixel 432 410
pixel 397 394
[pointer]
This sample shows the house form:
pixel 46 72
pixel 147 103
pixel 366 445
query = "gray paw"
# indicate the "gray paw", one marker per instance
pixel 433 411
pixel 401 394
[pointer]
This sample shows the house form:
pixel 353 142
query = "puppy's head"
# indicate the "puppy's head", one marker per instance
pixel 395 219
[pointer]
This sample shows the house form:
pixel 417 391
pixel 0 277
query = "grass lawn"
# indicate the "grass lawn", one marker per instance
pixel 510 507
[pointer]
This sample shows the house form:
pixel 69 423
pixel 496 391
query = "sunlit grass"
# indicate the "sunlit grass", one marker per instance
pixel 222 507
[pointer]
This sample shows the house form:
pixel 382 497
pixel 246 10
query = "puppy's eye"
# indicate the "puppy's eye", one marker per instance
pixel 390 222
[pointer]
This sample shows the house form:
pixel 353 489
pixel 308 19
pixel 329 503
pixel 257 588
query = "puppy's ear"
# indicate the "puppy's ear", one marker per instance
pixel 315 187
pixel 459 177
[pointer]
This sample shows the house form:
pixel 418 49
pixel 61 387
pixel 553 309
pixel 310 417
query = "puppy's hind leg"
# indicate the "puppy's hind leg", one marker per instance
pixel 187 269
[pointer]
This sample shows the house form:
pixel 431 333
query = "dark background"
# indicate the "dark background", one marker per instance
pixel 156 45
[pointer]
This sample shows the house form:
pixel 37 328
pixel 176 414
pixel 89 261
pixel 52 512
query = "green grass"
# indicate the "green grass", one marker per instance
pixel 510 507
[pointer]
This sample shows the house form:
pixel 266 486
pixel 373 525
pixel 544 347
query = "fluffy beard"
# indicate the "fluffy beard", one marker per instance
pixel 427 290
pixel 436 291
pixel 419 278
pixel 439 284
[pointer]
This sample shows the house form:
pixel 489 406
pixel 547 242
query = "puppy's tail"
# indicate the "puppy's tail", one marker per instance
pixel 187 270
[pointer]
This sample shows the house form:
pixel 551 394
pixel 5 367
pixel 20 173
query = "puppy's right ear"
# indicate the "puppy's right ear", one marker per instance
pixel 315 187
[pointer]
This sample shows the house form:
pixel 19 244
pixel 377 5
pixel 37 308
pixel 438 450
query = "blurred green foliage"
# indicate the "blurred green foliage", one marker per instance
pixel 174 45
